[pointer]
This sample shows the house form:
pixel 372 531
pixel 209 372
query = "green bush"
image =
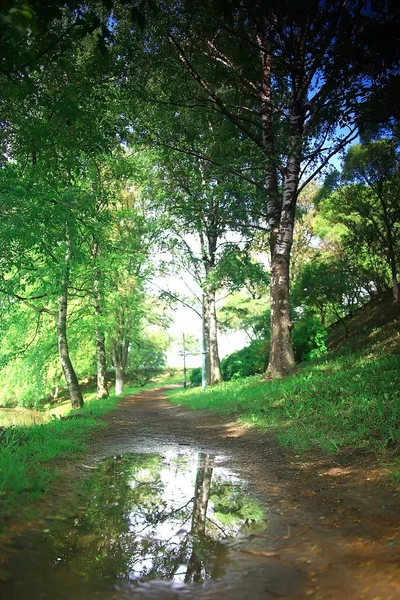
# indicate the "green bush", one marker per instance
pixel 248 361
pixel 309 338
pixel 145 363
pixel 195 377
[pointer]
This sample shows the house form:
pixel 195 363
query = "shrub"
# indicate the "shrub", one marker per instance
pixel 195 377
pixel 248 361
pixel 145 363
pixel 309 338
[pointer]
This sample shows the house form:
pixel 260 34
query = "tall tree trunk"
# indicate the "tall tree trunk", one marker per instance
pixel 120 360
pixel 281 355
pixel 213 367
pixel 281 208
pixel 119 378
pixel 101 360
pixel 74 389
pixel 281 359
pixel 101 356
pixel 392 262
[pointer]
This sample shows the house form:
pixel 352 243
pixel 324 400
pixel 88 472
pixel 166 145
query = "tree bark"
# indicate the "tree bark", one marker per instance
pixel 101 357
pixel 281 210
pixel 102 388
pixel 208 243
pixel 281 355
pixel 213 366
pixel 120 360
pixel 119 378
pixel 392 263
pixel 74 389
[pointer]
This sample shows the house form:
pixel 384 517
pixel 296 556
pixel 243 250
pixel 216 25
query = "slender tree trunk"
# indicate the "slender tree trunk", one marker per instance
pixel 282 361
pixel 184 360
pixel 391 255
pixel 120 359
pixel 119 378
pixel 101 360
pixel 393 269
pixel 342 321
pixel 395 289
pixel 101 356
pixel 213 367
pixel 281 209
pixel 74 389
pixel 206 340
pixel 102 388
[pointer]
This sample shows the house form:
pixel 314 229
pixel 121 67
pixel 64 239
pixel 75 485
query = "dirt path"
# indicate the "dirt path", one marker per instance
pixel 334 526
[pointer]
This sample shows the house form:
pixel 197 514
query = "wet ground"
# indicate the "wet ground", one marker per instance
pixel 172 503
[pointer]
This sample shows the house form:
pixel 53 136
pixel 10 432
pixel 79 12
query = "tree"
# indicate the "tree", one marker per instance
pixel 370 195
pixel 201 204
pixel 54 143
pixel 287 80
pixel 329 285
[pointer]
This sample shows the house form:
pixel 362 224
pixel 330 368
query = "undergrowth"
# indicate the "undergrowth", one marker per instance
pixel 351 400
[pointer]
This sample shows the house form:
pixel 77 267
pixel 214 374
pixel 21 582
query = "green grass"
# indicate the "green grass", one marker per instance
pixel 28 454
pixel 344 401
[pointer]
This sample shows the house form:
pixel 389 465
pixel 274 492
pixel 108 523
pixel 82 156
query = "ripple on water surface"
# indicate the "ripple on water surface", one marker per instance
pixel 176 518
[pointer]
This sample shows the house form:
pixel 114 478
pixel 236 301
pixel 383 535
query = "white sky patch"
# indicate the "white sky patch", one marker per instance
pixel 185 318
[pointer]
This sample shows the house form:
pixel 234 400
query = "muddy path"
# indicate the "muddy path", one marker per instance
pixel 333 524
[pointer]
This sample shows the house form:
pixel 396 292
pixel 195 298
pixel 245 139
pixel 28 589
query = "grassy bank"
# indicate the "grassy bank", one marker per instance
pixel 27 454
pixel 351 400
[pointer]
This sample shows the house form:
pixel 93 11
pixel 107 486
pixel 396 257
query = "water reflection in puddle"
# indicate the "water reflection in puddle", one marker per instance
pixel 144 517
pixel 21 417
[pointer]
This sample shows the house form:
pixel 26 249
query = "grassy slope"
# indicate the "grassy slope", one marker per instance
pixel 348 398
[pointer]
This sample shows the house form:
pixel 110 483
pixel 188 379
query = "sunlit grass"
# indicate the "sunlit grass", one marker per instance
pixel 28 453
pixel 351 400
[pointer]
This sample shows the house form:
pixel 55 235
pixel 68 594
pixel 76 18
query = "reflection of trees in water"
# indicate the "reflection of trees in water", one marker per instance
pixel 137 527
pixel 199 518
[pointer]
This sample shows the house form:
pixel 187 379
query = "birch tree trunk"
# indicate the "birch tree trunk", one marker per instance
pixel 74 389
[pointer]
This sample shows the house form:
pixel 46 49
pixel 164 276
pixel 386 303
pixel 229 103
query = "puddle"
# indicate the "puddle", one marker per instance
pixel 139 518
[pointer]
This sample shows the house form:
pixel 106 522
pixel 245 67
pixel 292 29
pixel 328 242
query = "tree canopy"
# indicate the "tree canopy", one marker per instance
pixel 198 135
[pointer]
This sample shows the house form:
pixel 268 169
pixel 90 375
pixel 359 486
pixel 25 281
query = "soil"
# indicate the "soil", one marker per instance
pixel 334 527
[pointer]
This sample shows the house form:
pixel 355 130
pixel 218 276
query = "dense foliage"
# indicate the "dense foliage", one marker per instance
pixel 246 151
pixel 191 142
